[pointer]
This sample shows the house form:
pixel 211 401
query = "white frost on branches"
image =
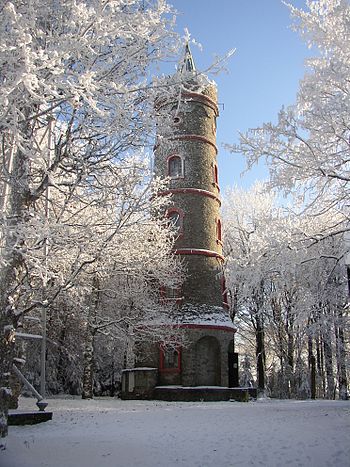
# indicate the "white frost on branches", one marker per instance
pixel 308 150
pixel 76 120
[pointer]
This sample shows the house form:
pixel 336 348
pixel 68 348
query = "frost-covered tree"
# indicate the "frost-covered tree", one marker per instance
pixel 126 252
pixel 76 96
pixel 289 291
pixel 308 149
pixel 122 286
pixel 248 223
pixel 307 153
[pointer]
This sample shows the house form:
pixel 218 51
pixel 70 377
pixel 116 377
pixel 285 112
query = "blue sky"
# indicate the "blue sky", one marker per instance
pixel 263 74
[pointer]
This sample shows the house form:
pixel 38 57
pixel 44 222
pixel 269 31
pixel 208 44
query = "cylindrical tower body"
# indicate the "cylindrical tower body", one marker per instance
pixel 186 152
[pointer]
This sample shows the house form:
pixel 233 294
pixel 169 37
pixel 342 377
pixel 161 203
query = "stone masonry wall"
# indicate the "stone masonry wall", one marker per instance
pixel 191 369
pixel 189 359
pixel 193 138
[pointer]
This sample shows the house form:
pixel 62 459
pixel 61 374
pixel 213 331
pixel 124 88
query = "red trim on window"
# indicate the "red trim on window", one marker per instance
pixel 162 368
pixel 164 299
pixel 195 191
pixel 215 174
pixel 216 186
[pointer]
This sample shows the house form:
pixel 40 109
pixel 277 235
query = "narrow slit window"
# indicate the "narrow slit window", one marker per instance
pixel 218 230
pixel 216 177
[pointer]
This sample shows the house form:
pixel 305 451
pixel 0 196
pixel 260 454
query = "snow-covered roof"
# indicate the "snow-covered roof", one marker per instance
pixel 196 315
pixel 205 315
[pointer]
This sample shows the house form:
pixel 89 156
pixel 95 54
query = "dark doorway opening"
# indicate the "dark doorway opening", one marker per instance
pixel 233 377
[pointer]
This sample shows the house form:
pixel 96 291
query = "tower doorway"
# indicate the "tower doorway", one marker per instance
pixel 207 360
pixel 233 376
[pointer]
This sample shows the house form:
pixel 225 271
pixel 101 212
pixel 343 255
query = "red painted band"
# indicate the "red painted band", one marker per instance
pixel 194 96
pixel 208 326
pixel 201 98
pixel 197 251
pixel 200 138
pixel 195 191
pixel 196 326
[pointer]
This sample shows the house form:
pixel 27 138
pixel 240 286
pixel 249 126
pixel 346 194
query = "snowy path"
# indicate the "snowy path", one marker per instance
pixel 114 433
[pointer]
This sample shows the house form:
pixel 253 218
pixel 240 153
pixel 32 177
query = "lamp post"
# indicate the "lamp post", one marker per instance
pixel 50 148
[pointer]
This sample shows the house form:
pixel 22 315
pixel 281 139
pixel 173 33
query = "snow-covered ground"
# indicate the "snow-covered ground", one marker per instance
pixel 113 433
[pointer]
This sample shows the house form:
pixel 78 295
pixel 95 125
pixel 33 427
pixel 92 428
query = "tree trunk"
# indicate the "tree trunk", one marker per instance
pixel 311 367
pixel 280 335
pixel 89 363
pixel 260 353
pixel 89 352
pixel 328 357
pixel 16 214
pixel 290 366
pixel 313 376
pixel 61 365
pixel 341 357
pixel 320 368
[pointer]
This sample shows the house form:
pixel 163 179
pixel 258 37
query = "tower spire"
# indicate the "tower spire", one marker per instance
pixel 187 64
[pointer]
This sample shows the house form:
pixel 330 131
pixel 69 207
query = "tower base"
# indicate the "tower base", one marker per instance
pixel 203 355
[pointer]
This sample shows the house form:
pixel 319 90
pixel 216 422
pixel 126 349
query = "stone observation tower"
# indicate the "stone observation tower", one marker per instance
pixel 186 154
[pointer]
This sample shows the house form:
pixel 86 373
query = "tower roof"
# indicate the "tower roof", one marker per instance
pixel 187 64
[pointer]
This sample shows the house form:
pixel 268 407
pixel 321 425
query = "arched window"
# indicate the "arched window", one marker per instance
pixel 174 219
pixel 170 358
pixel 175 166
pixel 170 294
